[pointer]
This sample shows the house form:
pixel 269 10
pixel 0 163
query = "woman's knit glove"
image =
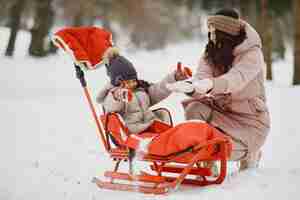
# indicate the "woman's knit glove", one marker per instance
pixel 189 87
pixel 181 86
pixel 203 86
pixel 122 94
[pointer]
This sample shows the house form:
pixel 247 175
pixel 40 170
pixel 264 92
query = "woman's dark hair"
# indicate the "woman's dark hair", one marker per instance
pixel 220 53
pixel 229 12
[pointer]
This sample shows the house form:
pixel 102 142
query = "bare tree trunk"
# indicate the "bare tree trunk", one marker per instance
pixel 233 3
pixel 278 39
pixel 78 19
pixel 51 47
pixel 106 22
pixel 296 79
pixel 266 30
pixel 245 9
pixel 15 18
pixel 42 23
pixel 249 11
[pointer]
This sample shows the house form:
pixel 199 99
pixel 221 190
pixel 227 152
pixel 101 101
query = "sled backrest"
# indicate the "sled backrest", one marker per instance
pixel 164 115
pixel 115 129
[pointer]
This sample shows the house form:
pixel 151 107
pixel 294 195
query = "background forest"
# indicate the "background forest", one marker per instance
pixel 152 25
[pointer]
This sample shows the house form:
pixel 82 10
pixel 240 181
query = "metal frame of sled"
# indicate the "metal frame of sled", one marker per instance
pixel 168 172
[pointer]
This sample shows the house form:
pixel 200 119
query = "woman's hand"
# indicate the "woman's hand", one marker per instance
pixel 189 87
pixel 122 94
pixel 182 73
pixel 181 87
pixel 203 86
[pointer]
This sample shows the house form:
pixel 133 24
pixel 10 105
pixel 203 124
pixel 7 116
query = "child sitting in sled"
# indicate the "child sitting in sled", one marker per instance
pixel 132 99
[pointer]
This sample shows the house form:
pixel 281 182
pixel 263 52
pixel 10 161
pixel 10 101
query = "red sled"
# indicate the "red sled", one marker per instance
pixel 167 172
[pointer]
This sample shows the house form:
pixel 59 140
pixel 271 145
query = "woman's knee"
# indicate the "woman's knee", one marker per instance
pixel 197 110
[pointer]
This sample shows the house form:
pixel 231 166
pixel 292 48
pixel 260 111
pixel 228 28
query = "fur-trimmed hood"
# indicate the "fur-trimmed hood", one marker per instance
pixel 252 39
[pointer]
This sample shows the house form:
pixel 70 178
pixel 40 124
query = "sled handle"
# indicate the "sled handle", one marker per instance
pixel 80 76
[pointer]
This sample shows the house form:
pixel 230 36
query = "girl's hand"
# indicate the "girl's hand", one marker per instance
pixel 182 73
pixel 122 94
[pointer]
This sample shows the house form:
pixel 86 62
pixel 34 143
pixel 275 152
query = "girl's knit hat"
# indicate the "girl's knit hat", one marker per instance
pixel 119 69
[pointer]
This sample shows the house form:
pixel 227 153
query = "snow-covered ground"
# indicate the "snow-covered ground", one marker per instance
pixel 49 148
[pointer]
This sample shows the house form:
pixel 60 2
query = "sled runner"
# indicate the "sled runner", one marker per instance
pixel 184 166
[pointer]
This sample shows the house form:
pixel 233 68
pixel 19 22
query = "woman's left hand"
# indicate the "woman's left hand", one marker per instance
pixel 199 86
pixel 181 87
pixel 203 86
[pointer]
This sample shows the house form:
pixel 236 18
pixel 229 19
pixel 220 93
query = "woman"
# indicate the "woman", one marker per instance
pixel 227 89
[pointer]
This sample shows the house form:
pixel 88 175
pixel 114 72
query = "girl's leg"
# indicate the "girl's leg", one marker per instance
pixel 141 140
pixel 158 127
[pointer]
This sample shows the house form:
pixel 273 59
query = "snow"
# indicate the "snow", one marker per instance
pixel 50 150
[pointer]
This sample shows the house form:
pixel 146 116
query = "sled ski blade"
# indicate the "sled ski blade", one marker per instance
pixel 128 187
pixel 143 177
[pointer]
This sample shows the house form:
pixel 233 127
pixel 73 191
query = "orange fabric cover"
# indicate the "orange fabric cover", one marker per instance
pixel 168 140
pixel 86 43
pixel 181 137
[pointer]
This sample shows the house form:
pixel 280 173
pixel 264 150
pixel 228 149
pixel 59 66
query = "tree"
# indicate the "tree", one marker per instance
pixel 14 24
pixel 43 21
pixel 4 11
pixel 249 11
pixel 266 31
pixel 147 30
pixel 296 79
pixel 79 13
pixel 105 13
pixel 282 29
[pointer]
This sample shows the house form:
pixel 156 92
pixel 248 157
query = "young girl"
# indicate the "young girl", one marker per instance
pixel 132 98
